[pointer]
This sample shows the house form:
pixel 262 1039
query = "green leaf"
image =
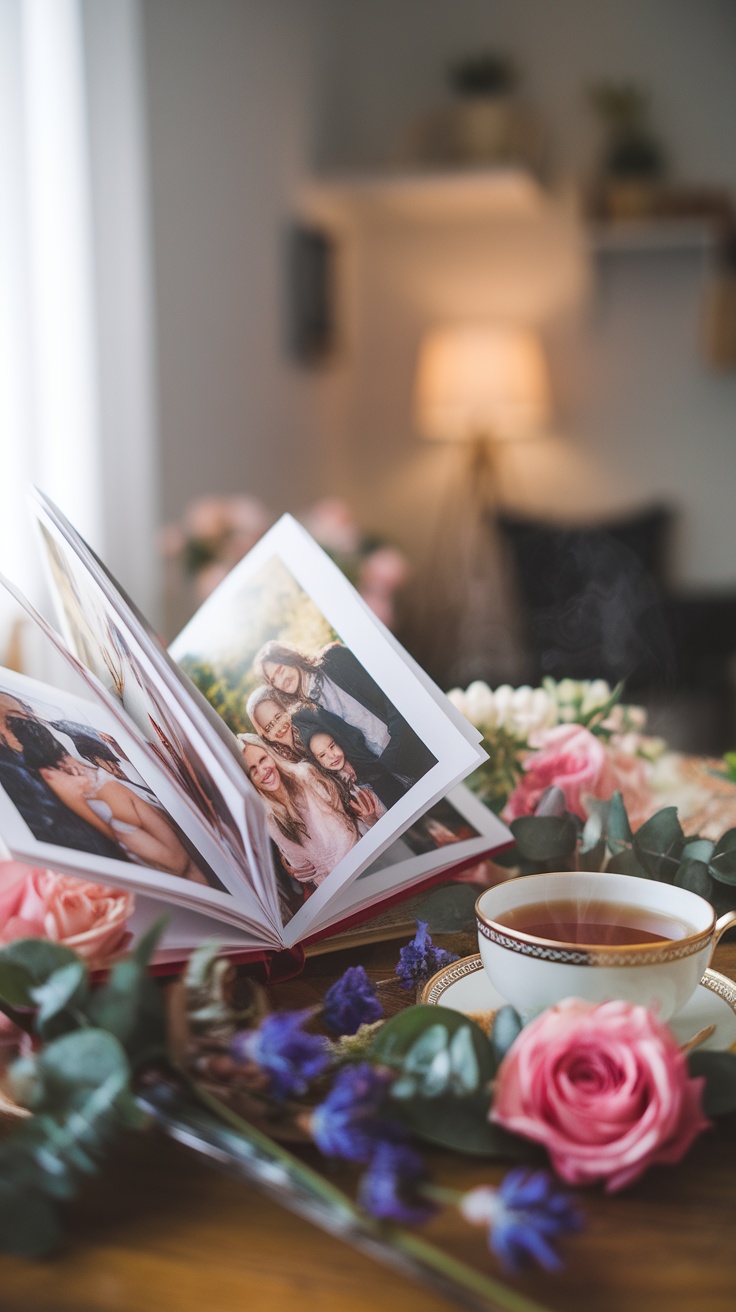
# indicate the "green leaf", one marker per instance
pixel 592 832
pixel 620 835
pixel 449 910
pixel 658 843
pixel 63 988
pixel 698 849
pixel 507 1026
pixel 71 1065
pixel 462 1125
pixel 693 875
pixel 435 1051
pixel 545 837
pixel 719 1069
pixel 723 860
pixel 15 984
pixel 38 958
pixel 626 862
pixel 130 1007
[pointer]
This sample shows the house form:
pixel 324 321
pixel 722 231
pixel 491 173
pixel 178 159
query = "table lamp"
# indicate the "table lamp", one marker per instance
pixel 483 384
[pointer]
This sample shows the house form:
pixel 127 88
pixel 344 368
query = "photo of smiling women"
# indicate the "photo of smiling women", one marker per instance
pixel 270 713
pixel 342 751
pixel 306 814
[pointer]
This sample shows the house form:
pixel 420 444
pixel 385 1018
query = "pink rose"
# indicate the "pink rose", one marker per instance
pixel 567 755
pixel 582 765
pixel 87 917
pixel 604 1088
pixel 384 570
pixel 628 774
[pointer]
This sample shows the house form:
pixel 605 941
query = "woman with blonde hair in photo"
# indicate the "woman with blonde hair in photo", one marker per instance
pixel 307 819
pixel 270 712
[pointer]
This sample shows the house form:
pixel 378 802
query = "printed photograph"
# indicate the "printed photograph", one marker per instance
pixel 100 645
pixel 74 787
pixel 322 743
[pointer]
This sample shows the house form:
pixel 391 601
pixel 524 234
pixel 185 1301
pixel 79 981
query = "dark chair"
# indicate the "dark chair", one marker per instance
pixel 594 598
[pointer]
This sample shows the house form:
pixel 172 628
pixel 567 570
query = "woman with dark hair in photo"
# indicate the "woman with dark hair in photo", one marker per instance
pixel 307 819
pixel 336 681
pixel 142 832
pixel 269 711
pixel 341 750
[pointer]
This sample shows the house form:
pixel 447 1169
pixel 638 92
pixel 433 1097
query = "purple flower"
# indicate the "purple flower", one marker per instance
pixel 351 1002
pixel 525 1215
pixel 391 1187
pixel 348 1123
pixel 420 958
pixel 284 1052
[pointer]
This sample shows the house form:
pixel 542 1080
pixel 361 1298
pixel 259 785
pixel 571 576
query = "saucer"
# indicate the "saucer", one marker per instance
pixel 464 986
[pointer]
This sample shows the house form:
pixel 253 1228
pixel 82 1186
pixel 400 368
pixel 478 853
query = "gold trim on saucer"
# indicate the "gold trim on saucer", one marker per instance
pixel 435 987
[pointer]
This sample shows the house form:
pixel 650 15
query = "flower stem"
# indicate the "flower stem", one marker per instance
pixel 192 1116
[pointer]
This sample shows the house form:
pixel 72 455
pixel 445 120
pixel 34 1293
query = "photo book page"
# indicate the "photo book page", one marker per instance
pixel 299 767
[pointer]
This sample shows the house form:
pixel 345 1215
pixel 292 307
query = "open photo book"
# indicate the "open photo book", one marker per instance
pixel 282 770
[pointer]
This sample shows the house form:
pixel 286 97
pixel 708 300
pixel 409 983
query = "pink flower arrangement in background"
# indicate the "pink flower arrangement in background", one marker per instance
pixel 216 532
pixel 604 1088
pixel 89 918
pixel 582 765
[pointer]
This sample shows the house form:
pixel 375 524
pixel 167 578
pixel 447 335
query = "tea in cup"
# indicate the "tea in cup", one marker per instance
pixel 580 934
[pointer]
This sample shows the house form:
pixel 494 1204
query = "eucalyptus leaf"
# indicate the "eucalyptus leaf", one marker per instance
pixel 15 984
pixel 545 837
pixel 552 802
pixel 130 1007
pixel 38 957
pixel 620 835
pixel 694 876
pixel 71 1065
pixel 723 860
pixel 507 1026
pixel 592 832
pixel 658 844
pixel 698 849
pixel 450 909
pixel 719 1069
pixel 64 988
pixel 723 869
pixel 434 1051
pixel 462 1125
pixel 626 862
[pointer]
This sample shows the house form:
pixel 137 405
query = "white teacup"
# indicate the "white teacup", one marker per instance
pixel 533 973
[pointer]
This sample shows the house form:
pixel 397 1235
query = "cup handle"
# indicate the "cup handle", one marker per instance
pixel 723 923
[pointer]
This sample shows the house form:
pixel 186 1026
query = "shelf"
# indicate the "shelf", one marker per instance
pixel 652 236
pixel 437 196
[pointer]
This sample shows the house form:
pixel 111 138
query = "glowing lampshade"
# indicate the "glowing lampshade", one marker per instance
pixel 486 381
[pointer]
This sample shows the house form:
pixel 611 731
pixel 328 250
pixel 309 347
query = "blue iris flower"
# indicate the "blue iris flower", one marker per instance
pixel 525 1216
pixel 282 1050
pixel 420 958
pixel 351 1002
pixel 348 1123
pixel 391 1187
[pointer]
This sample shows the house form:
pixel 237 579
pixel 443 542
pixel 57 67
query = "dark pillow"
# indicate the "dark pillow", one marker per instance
pixel 591 595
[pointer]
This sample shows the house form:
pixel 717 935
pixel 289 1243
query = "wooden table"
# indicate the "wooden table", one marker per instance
pixel 162 1230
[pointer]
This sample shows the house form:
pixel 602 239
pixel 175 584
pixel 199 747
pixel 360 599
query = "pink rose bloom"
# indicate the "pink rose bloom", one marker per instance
pixel 582 765
pixel 626 773
pixel 87 917
pixel 567 755
pixel 605 1088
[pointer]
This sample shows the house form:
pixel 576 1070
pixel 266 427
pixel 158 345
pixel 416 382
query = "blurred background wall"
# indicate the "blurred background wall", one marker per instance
pixel 246 101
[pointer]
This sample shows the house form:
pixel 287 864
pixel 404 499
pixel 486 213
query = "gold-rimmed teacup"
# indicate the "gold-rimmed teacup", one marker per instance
pixel 533 972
